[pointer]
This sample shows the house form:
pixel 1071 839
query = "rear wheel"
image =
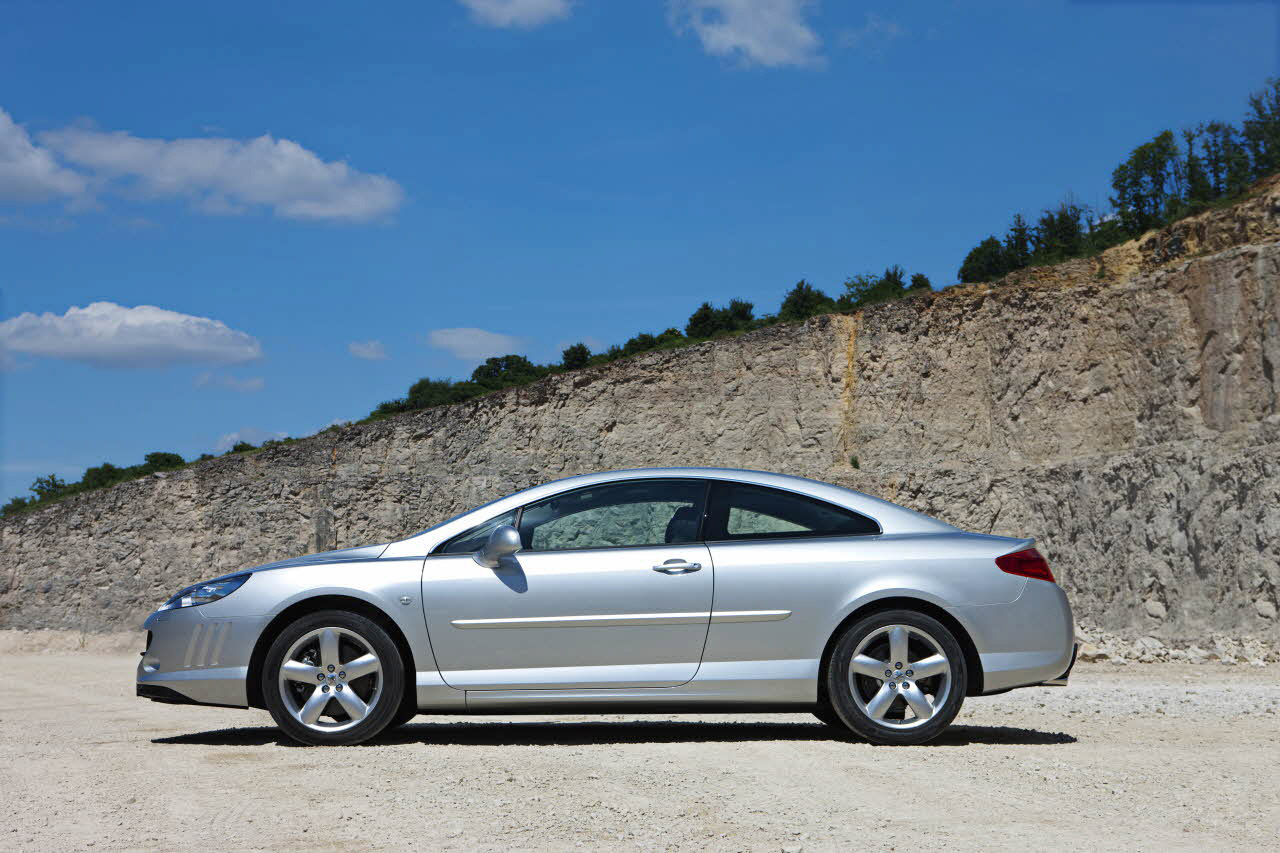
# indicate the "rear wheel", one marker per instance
pixel 333 678
pixel 408 710
pixel 897 677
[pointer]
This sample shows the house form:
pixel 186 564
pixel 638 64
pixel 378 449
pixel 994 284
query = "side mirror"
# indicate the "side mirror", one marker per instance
pixel 503 542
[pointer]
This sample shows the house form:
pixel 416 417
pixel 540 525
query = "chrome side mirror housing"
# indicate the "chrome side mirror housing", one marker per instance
pixel 503 542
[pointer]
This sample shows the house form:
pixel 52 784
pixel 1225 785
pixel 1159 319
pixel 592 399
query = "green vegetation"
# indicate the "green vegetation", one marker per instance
pixel 706 323
pixel 47 490
pixel 508 371
pixel 1161 181
pixel 51 488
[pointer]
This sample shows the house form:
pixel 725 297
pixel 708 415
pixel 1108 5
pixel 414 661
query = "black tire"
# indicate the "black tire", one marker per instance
pixel 941 694
pixel 382 692
pixel 408 710
pixel 828 715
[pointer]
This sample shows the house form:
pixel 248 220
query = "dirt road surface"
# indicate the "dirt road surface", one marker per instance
pixel 1159 756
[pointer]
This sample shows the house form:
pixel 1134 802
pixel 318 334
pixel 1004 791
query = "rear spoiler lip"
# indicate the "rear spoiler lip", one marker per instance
pixel 1021 545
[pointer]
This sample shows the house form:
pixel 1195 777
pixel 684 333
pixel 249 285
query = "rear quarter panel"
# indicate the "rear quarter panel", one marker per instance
pixel 822 581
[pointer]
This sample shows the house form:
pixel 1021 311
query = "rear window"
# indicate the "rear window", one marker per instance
pixel 744 511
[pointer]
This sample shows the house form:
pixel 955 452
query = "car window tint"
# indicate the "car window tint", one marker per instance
pixel 616 515
pixel 757 512
pixel 474 539
pixel 743 521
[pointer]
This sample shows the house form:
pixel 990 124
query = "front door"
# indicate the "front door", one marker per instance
pixel 612 589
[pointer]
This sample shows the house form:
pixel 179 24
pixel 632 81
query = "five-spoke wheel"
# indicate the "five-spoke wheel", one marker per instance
pixel 329 679
pixel 897 677
pixel 333 678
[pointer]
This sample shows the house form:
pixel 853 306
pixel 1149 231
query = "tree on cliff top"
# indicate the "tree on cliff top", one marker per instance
pixel 804 301
pixel 707 321
pixel 1157 183
pixel 575 356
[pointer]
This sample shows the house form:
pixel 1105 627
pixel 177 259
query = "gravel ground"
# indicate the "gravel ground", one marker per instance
pixel 1150 756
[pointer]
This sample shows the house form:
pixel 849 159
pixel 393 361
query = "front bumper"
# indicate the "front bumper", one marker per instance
pixel 197 658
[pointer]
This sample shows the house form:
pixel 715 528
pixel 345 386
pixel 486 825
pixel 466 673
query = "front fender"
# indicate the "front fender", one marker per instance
pixel 391 586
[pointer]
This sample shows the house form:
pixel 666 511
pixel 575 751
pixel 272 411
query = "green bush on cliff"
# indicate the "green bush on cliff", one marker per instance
pixel 707 322
pixel 1161 181
pixel 50 488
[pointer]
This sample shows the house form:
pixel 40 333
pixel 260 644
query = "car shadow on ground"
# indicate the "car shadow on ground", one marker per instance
pixel 614 732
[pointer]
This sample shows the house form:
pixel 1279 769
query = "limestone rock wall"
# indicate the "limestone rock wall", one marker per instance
pixel 1121 409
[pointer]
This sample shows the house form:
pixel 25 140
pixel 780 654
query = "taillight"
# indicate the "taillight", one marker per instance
pixel 1028 564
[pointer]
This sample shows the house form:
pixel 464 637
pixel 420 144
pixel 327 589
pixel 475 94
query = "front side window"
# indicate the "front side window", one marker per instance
pixel 616 515
pixel 744 511
pixel 474 539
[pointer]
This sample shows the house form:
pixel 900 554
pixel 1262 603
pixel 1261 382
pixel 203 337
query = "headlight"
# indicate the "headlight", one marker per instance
pixel 203 593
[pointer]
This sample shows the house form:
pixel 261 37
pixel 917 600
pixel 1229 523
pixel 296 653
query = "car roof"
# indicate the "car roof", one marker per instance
pixel 891 517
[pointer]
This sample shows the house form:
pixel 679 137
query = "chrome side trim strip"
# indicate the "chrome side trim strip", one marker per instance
pixel 586 621
pixel 622 619
pixel 749 615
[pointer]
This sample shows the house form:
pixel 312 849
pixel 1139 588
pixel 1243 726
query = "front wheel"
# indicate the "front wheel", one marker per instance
pixel 825 713
pixel 333 678
pixel 897 677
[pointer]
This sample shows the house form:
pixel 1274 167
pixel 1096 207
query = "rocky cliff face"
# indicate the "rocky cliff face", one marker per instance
pixel 1122 409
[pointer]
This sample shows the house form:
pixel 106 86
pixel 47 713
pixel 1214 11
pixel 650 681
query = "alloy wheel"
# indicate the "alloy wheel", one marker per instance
pixel 899 676
pixel 330 679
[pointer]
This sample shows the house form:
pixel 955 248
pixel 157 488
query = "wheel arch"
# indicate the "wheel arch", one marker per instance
pixel 973 663
pixel 253 679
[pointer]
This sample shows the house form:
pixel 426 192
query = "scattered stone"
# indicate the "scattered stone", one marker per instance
pixel 1090 653
pixel 1195 654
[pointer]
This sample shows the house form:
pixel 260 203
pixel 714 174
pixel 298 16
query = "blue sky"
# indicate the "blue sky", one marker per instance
pixel 316 197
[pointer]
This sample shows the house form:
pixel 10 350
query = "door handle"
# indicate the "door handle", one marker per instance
pixel 677 567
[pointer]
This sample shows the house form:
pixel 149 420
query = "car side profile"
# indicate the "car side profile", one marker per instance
pixel 656 590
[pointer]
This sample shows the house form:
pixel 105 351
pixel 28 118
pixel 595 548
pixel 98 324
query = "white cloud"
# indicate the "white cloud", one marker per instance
pixel 105 334
pixel 228 176
pixel 873 34
pixel 249 385
pixel 31 173
pixel 216 175
pixel 368 350
pixel 772 33
pixel 517 13
pixel 472 344
pixel 253 435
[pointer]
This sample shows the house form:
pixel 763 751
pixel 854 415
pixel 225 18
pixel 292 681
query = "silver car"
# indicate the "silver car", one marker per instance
pixel 659 590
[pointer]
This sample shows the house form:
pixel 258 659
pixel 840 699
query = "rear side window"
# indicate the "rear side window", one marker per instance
pixel 744 511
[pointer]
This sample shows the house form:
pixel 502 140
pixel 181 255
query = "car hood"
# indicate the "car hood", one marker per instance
pixel 345 555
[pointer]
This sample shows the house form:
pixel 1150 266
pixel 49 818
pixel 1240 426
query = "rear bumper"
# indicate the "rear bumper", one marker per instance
pixel 1030 640
pixel 1061 680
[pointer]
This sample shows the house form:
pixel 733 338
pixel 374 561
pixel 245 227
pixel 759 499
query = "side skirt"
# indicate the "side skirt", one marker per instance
pixel 605 707
pixel 719 686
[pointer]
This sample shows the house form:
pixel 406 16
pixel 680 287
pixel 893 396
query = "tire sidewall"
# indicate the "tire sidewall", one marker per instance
pixel 855 718
pixel 389 700
pixel 827 715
